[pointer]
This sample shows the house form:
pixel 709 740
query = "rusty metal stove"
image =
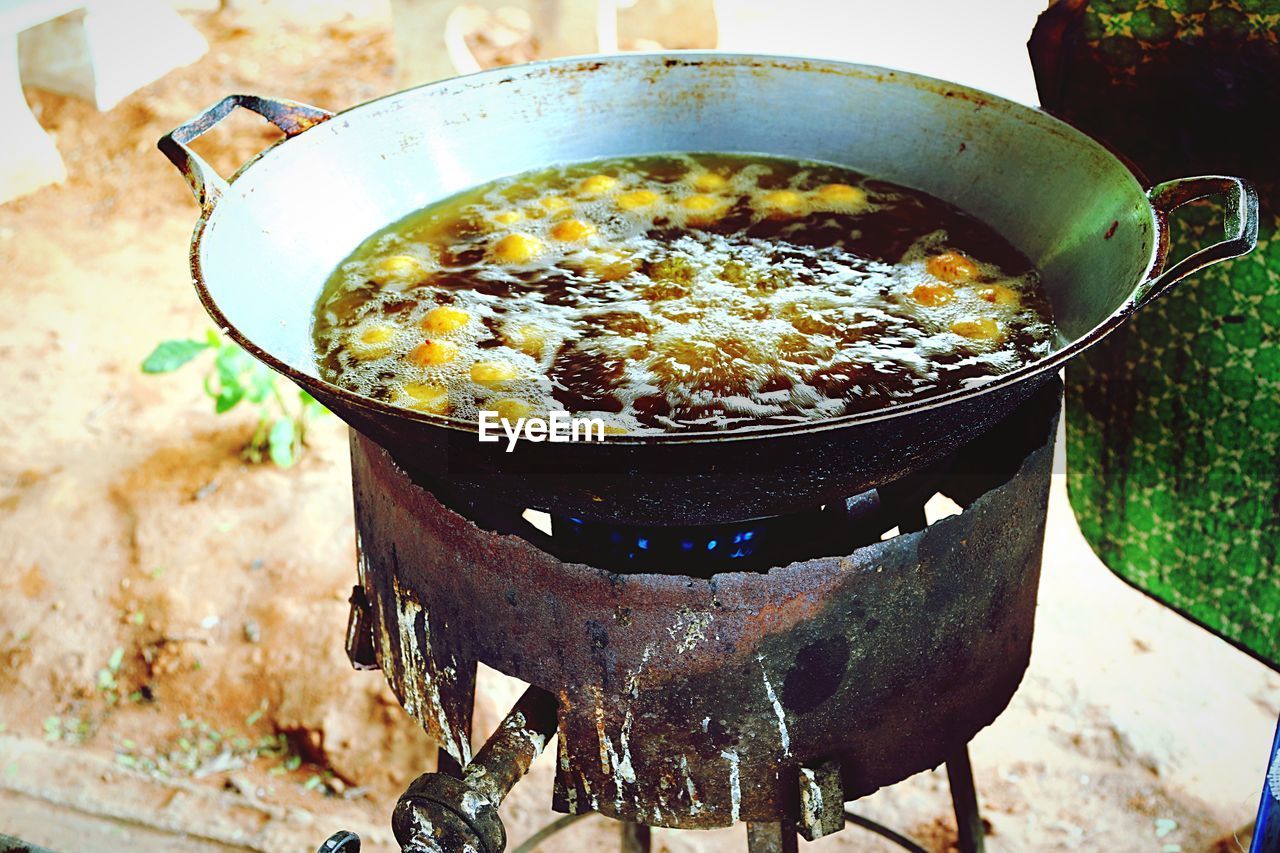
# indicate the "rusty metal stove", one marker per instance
pixel 765 672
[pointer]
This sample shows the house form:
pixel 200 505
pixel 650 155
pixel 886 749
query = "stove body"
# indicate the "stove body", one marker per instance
pixel 699 695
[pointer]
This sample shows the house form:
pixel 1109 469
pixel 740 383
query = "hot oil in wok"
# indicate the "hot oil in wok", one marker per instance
pixel 675 293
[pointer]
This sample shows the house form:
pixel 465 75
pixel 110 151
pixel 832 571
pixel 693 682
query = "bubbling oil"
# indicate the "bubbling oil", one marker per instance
pixel 677 293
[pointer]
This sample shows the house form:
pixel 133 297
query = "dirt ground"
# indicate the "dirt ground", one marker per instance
pixel 171 667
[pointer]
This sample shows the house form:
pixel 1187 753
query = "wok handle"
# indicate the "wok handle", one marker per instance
pixel 1240 223
pixel 290 116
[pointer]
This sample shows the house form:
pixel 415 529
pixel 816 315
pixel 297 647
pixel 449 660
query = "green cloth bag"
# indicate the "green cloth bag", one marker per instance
pixel 1173 421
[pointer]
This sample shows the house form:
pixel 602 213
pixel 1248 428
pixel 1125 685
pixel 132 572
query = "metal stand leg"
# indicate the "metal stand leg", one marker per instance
pixel 965 800
pixel 439 813
pixel 447 764
pixel 772 838
pixel 636 838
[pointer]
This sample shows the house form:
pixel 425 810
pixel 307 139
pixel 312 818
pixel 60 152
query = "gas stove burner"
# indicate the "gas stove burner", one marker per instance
pixel 764 670
pixel 703 550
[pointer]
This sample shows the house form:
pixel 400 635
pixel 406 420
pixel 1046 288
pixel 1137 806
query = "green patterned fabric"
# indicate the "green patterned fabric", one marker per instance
pixel 1173 422
pixel 1173 445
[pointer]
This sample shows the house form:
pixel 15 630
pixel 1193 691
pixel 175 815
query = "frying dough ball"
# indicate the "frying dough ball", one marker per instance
pixel 445 318
pixel 376 334
pixel 782 203
pixel 517 248
pixel 952 267
pixel 493 373
pixel 978 329
pixel 708 182
pixel 932 294
pixel 597 184
pixel 433 352
pixel 608 264
pixel 637 199
pixel 399 269
pixel 841 196
pixel 433 399
pixel 528 339
pixel 554 203
pixel 572 230
pixel 702 209
pixel 997 294
pixel 372 341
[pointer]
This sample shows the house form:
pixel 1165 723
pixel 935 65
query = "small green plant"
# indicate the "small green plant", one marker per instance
pixel 107 683
pixel 234 377
pixel 199 750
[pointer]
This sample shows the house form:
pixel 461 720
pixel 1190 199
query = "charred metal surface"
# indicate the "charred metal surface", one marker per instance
pixel 430 818
pixel 360 632
pixel 442 813
pixel 420 658
pixel 519 739
pixel 689 702
pixel 821 800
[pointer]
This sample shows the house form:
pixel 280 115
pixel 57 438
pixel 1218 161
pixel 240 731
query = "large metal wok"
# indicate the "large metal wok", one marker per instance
pixel 267 239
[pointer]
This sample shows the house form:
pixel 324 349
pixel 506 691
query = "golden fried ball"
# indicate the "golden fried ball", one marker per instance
pixel 517 248
pixel 997 294
pixel 554 203
pixel 977 329
pixel 433 399
pixel 445 318
pixel 372 341
pixel 841 196
pixel 526 338
pixel 493 373
pixel 953 267
pixel 637 199
pixel 433 352
pixel 401 269
pixel 572 230
pixel 708 182
pixel 597 184
pixel 933 294
pixel 782 203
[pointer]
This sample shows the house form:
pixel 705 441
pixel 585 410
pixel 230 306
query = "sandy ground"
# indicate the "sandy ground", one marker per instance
pixel 134 536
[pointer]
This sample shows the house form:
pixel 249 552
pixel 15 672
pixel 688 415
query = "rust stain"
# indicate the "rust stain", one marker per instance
pixel 779 674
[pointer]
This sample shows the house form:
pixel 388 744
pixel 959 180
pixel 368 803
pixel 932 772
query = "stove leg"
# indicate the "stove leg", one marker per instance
pixel 440 813
pixel 447 764
pixel 778 837
pixel 965 801
pixel 636 838
pixel 444 761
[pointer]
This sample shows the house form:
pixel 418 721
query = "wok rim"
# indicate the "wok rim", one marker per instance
pixel 788 62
